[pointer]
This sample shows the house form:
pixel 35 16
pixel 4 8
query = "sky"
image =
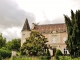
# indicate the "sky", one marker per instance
pixel 13 14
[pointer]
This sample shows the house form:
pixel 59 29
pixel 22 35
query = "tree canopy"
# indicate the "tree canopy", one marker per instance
pixel 14 44
pixel 34 44
pixel 2 41
pixel 73 30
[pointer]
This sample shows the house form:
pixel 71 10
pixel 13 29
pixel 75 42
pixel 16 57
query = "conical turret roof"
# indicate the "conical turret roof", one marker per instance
pixel 26 26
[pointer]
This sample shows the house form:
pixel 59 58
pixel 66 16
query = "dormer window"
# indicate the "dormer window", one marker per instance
pixel 54 32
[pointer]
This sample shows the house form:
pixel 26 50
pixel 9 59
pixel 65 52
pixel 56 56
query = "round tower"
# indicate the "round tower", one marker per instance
pixel 25 32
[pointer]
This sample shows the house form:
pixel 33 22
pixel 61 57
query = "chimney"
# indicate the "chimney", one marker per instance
pixel 33 25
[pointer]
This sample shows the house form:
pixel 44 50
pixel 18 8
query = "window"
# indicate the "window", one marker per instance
pixel 54 40
pixel 65 51
pixel 54 32
pixel 64 39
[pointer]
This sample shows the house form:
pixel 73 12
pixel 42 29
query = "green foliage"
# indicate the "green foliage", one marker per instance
pixel 5 53
pixel 68 58
pixel 23 52
pixel 35 44
pixel 0 57
pixel 44 57
pixel 9 45
pixel 2 41
pixel 29 58
pixel 57 54
pixel 73 30
pixel 57 57
pixel 18 54
pixel 14 44
pixel 48 53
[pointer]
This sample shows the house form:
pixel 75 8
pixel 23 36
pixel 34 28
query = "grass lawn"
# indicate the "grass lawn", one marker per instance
pixel 27 58
pixel 68 58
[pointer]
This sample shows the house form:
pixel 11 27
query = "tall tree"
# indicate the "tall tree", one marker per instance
pixel 73 30
pixel 35 44
pixel 2 41
pixel 14 44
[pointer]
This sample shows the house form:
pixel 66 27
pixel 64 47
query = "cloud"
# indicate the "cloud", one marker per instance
pixel 57 20
pixel 12 16
pixel 77 4
pixel 12 33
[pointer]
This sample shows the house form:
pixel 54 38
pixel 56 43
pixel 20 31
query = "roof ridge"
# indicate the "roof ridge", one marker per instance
pixel 51 24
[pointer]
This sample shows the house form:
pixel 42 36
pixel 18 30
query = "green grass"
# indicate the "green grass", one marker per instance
pixel 23 58
pixel 67 58
pixel 27 58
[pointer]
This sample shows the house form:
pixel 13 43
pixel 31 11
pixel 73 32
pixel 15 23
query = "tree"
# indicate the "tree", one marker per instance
pixel 34 44
pixel 2 41
pixel 73 30
pixel 9 45
pixel 14 44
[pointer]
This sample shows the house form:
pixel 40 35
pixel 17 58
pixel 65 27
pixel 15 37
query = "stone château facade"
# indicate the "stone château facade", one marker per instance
pixel 55 33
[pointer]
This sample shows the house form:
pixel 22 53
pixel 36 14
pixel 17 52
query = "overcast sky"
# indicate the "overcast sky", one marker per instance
pixel 13 13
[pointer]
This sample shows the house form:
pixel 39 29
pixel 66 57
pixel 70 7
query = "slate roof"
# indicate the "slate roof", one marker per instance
pixel 26 26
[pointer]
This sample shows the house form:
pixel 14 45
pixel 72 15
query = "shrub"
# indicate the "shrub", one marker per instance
pixel 18 54
pixel 0 57
pixel 44 57
pixel 56 57
pixel 23 52
pixel 58 53
pixel 5 53
pixel 48 54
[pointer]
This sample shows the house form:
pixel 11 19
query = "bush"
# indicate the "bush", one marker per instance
pixel 48 54
pixel 5 53
pixel 23 52
pixel 0 57
pixel 58 53
pixel 44 57
pixel 18 54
